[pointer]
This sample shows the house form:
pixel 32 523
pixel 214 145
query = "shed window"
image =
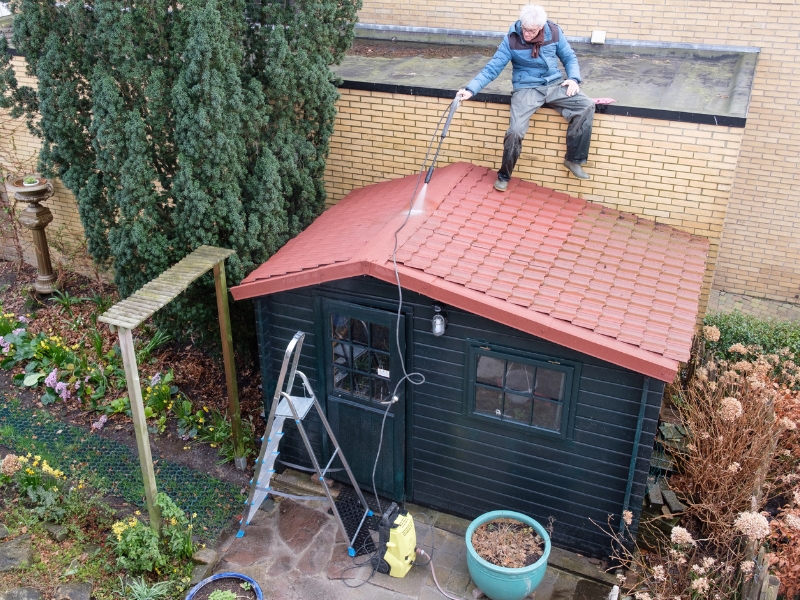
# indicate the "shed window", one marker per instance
pixel 360 353
pixel 520 390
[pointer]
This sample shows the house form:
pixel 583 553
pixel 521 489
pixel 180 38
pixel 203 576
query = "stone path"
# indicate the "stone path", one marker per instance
pixel 295 552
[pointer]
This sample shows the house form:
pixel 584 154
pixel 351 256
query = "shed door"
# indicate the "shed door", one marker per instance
pixel 362 367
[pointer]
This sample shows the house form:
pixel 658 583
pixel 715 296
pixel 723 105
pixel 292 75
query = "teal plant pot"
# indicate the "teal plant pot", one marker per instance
pixel 501 583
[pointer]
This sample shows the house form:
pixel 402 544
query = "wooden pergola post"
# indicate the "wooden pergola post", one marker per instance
pixel 230 366
pixel 131 312
pixel 140 425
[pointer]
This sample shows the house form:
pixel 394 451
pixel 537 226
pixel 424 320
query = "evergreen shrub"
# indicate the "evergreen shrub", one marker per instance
pixel 182 124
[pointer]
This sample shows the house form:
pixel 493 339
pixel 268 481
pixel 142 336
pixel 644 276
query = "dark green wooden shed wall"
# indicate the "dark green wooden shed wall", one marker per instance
pixel 465 466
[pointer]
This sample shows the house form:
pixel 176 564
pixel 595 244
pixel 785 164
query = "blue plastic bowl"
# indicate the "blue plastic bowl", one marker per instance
pixel 207 580
pixel 502 583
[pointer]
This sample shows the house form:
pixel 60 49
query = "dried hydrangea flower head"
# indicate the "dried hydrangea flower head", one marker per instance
pixel 738 349
pixel 793 521
pixel 681 537
pixel 627 516
pixel 747 566
pixel 752 524
pixel 730 409
pixel 700 585
pixel 711 333
pixel 10 465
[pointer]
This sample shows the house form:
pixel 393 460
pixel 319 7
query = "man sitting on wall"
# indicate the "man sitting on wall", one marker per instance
pixel 533 45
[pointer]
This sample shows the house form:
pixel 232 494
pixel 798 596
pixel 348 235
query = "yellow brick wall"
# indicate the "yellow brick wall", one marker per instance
pixel 675 173
pixel 760 247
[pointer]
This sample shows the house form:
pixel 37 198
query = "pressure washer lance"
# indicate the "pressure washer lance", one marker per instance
pixel 453 108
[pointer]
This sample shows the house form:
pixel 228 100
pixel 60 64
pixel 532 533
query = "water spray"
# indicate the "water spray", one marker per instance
pixel 453 108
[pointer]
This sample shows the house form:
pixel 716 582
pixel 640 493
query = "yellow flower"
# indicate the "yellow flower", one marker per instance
pixel 194 515
pixel 174 521
pixel 201 420
pixel 211 429
pixel 189 526
pixel 137 513
pixel 37 458
pixel 205 409
pixel 213 445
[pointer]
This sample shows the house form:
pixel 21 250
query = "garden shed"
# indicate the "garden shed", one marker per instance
pixel 564 321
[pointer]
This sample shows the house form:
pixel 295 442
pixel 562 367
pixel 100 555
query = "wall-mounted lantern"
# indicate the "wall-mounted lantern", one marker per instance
pixel 439 321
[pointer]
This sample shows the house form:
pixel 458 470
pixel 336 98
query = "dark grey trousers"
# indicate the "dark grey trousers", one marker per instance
pixel 578 110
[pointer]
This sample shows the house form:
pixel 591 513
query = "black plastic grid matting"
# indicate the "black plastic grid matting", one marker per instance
pixel 115 466
pixel 351 511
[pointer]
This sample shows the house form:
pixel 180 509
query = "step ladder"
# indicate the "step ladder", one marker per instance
pixel 285 406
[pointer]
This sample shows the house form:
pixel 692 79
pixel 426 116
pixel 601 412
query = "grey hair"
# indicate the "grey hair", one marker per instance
pixel 532 15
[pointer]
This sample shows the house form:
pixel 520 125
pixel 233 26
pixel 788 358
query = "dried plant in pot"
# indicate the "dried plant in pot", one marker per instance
pixel 485 557
pixel 226 586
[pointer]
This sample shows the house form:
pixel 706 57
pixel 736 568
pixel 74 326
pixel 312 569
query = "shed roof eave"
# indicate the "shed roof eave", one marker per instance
pixel 532 322
pixel 292 281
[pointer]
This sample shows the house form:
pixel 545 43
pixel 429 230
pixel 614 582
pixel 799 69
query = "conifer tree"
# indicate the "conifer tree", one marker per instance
pixel 182 124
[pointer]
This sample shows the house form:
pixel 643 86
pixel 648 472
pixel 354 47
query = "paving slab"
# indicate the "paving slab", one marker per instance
pixel 295 552
pixel 16 554
pixel 21 594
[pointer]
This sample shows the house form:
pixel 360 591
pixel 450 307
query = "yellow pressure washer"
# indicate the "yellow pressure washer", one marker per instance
pixel 397 539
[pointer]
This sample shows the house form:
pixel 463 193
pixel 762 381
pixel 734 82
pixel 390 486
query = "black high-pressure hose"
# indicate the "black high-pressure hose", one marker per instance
pixel 453 108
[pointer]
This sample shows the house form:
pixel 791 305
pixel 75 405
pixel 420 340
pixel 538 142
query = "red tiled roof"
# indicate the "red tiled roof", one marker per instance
pixel 606 283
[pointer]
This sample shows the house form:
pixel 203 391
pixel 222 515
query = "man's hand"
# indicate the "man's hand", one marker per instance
pixel 572 87
pixel 464 95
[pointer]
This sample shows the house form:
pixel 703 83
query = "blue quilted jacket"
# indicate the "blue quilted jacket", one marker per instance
pixel 529 72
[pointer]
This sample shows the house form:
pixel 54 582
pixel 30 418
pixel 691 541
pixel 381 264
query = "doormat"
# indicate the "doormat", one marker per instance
pixel 351 511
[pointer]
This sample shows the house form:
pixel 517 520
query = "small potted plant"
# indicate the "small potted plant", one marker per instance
pixel 29 181
pixel 507 575
pixel 226 586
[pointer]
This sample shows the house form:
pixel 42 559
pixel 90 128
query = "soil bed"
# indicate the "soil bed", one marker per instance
pixel 197 374
pixel 508 543
pixel 230 584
